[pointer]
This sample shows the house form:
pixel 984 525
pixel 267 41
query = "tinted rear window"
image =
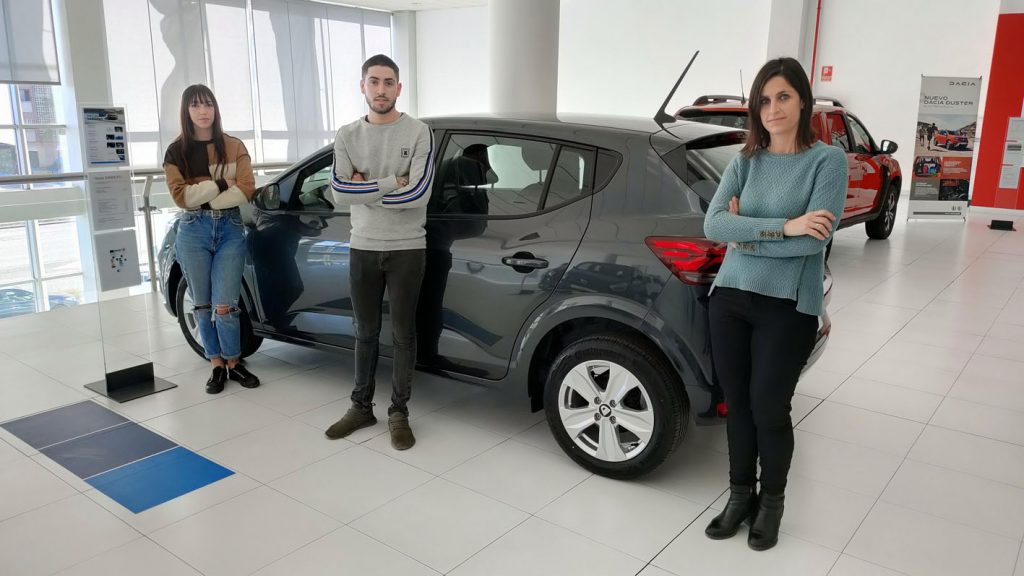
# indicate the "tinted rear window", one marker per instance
pixel 726 120
pixel 701 164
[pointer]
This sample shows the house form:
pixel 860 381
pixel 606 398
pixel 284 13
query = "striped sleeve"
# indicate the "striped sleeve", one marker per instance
pixel 421 175
pixel 347 192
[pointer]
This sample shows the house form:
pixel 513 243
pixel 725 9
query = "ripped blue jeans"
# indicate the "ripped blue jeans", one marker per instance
pixel 211 249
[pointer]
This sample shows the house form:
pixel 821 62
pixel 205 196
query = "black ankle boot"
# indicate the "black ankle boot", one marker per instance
pixel 741 506
pixel 764 532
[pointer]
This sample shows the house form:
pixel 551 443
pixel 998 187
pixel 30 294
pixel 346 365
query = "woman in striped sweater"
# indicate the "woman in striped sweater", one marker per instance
pixel 210 175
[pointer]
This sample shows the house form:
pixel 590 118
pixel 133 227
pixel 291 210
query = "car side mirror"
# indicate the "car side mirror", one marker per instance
pixel 888 147
pixel 268 197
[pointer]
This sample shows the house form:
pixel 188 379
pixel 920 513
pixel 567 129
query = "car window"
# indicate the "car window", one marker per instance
pixel 491 175
pixel 572 176
pixel 861 138
pixel 837 131
pixel 313 187
pixel 727 120
pixel 701 166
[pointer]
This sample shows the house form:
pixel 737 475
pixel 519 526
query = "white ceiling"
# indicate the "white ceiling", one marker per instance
pixel 400 5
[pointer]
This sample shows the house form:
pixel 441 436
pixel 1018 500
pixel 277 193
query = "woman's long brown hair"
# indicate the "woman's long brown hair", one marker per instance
pixel 192 94
pixel 791 70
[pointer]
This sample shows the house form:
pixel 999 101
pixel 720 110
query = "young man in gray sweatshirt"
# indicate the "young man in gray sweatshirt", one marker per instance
pixel 383 170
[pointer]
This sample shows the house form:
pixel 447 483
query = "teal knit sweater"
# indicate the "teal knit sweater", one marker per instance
pixel 774 188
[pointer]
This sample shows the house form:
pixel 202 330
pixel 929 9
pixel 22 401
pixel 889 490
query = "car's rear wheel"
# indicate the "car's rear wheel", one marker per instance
pixel 615 406
pixel 190 328
pixel 881 227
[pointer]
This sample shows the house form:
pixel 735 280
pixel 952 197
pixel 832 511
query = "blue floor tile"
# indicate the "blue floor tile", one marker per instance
pixel 104 451
pixel 142 485
pixel 49 428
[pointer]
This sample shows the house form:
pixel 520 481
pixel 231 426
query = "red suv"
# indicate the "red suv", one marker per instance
pixel 950 140
pixel 874 188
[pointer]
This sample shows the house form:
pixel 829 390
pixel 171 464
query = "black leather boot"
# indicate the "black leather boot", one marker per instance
pixel 741 506
pixel 764 532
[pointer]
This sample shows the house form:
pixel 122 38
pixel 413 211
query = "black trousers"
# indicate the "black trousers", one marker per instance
pixel 759 345
pixel 401 273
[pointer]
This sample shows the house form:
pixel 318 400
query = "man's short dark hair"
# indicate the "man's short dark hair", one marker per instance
pixel 380 60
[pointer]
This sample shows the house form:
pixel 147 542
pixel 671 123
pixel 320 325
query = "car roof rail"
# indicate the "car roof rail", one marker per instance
pixel 828 101
pixel 717 99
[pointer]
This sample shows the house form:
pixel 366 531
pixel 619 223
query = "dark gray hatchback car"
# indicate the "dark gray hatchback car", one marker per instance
pixel 566 257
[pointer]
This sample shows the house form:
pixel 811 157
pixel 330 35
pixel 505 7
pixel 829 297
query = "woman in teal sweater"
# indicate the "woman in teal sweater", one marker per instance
pixel 766 298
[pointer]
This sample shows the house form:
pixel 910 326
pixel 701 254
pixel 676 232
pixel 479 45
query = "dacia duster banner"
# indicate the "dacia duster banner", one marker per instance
pixel 947 120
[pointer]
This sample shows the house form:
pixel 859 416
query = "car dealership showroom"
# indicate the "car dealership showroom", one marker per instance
pixel 649 287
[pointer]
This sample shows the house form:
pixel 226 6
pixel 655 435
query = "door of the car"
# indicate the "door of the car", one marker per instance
pixel 864 154
pixel 300 260
pixel 507 213
pixel 839 136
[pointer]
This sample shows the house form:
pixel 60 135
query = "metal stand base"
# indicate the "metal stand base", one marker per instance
pixel 130 383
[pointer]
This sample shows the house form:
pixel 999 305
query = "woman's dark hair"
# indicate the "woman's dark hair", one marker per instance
pixel 792 72
pixel 192 94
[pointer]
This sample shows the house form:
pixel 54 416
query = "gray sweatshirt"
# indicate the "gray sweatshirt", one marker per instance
pixel 384 216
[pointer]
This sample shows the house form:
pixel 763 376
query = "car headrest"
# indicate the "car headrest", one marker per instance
pixel 537 156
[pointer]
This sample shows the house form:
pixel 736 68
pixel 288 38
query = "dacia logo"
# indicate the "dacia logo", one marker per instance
pixel 962 83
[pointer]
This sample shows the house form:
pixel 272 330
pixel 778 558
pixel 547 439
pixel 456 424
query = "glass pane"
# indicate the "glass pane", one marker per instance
pixel 59 252
pixel 489 175
pixel 377 33
pixel 314 191
pixel 63 292
pixel 132 80
pixel 17 300
pixel 6 110
pixel 9 165
pixel 837 128
pixel 32 41
pixel 229 66
pixel 346 62
pixel 274 77
pixel 571 178
pixel 15 265
pixel 40 104
pixel 47 150
pixel 179 59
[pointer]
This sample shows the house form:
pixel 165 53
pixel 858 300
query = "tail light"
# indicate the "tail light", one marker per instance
pixel 695 261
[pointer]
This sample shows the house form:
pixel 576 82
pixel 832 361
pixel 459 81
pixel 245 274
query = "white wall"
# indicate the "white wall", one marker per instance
pixel 880 79
pixel 452 56
pixel 622 56
pixel 615 56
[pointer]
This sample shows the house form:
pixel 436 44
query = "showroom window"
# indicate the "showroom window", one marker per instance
pixel 285 72
pixel 33 134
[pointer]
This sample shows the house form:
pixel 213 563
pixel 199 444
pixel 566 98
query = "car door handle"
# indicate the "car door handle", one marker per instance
pixel 526 262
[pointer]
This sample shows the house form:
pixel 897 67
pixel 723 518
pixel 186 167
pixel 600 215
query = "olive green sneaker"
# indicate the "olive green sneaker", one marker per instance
pixel 353 420
pixel 401 433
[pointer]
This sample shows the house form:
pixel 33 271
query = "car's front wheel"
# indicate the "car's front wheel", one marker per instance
pixel 615 406
pixel 190 328
pixel 881 227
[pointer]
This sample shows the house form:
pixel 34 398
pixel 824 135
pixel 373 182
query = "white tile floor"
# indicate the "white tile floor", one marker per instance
pixel 909 458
